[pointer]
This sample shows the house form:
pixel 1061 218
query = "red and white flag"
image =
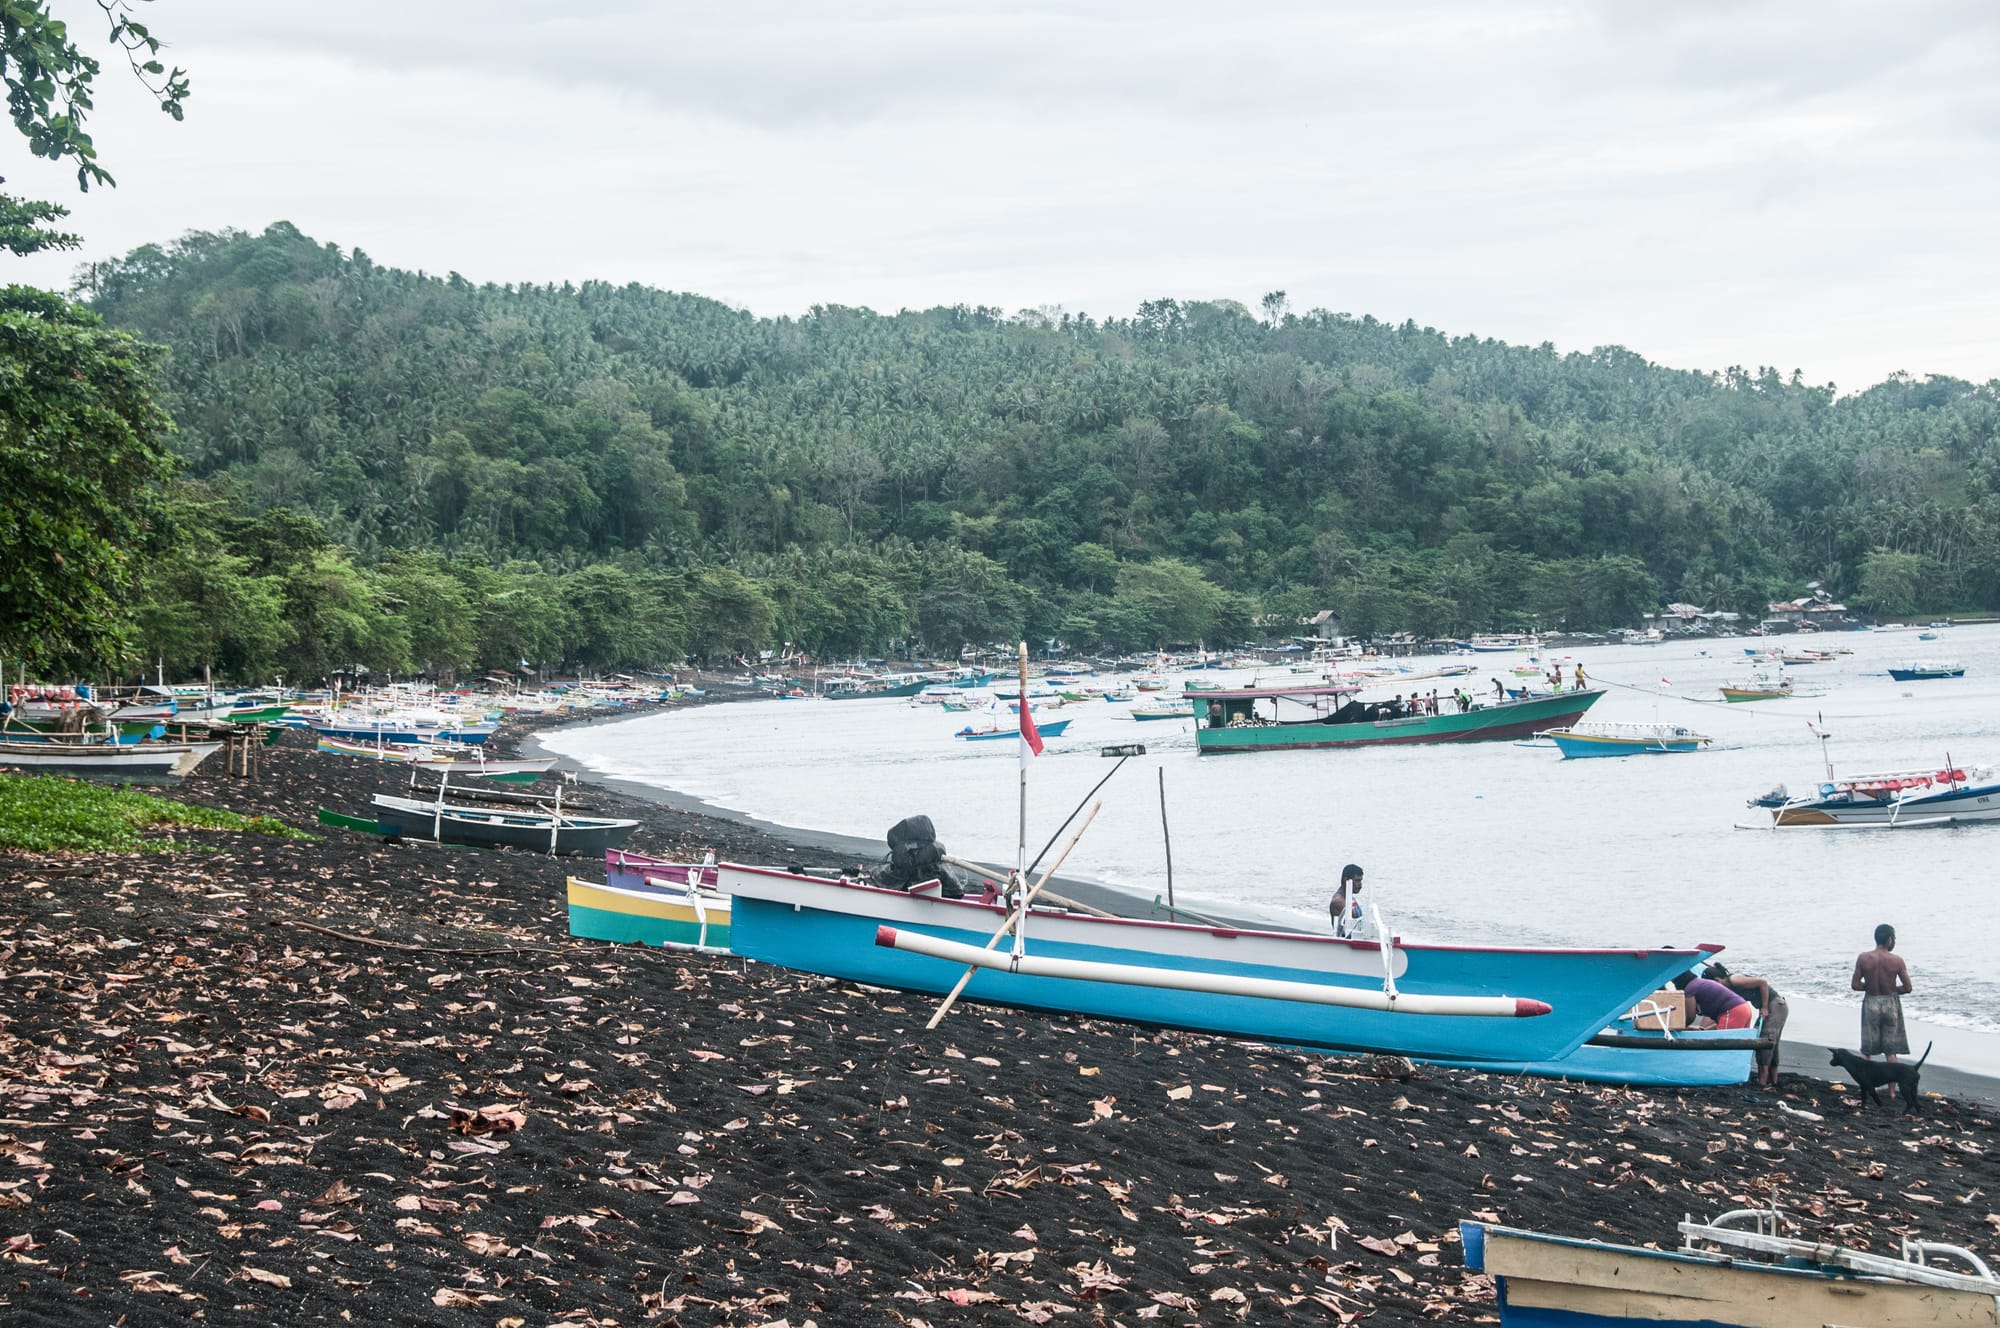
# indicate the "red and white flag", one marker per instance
pixel 1031 741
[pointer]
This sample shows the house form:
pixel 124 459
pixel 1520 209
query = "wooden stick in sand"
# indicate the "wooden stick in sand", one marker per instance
pixel 1014 917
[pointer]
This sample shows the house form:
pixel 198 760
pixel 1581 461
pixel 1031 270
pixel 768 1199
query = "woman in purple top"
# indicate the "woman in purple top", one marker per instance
pixel 1709 999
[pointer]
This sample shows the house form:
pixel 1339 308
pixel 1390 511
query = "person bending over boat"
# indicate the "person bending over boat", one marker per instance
pixel 1346 906
pixel 1710 1000
pixel 1772 1011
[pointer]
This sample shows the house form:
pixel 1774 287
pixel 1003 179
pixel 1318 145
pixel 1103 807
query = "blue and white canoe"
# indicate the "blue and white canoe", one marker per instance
pixel 1452 1003
pixel 1648 1058
pixel 1591 738
pixel 1052 729
pixel 1734 1272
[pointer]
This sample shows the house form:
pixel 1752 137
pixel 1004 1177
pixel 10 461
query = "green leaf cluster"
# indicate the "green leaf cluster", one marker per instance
pixel 39 814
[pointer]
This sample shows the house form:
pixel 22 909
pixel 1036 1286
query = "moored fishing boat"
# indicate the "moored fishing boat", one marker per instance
pixel 1436 1002
pixel 1281 718
pixel 1734 1272
pixel 1053 729
pixel 1892 799
pixel 1603 738
pixel 1919 670
pixel 691 918
pixel 1763 687
pixel 1152 710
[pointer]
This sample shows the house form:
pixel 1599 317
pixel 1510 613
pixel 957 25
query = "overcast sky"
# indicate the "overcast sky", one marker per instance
pixel 1805 185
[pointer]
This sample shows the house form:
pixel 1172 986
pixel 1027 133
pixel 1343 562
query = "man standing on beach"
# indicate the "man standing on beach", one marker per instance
pixel 1884 978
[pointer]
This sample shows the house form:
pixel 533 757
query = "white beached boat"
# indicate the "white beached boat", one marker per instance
pixel 99 759
pixel 1734 1272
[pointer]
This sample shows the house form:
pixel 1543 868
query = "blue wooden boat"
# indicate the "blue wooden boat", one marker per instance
pixel 1921 669
pixel 1734 1272
pixel 1053 729
pixel 1435 1002
pixel 1627 1054
pixel 1591 738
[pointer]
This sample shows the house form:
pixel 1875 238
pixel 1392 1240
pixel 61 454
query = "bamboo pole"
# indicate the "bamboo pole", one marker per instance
pixel 1014 916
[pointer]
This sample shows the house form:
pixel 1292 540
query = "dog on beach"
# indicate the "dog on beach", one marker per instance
pixel 1872 1075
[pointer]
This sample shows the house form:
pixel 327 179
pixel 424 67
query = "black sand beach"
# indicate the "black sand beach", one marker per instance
pixel 337 1080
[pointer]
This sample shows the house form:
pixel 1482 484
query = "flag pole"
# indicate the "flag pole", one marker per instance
pixel 1021 844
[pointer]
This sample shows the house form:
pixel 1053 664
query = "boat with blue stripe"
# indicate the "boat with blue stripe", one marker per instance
pixel 1606 738
pixel 1453 1003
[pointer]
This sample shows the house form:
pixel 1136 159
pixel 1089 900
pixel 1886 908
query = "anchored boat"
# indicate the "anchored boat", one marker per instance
pixel 1604 738
pixel 1920 670
pixel 1281 718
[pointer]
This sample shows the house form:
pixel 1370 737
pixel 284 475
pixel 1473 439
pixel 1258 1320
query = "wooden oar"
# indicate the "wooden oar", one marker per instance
pixel 1020 911
pixel 1050 895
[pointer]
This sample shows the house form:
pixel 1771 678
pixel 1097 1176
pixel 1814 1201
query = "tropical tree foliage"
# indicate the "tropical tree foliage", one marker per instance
pixel 607 476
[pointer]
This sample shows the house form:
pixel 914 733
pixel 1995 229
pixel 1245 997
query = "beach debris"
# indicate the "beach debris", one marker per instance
pixel 232 1094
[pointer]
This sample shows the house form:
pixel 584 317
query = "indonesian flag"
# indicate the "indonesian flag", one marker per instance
pixel 1031 741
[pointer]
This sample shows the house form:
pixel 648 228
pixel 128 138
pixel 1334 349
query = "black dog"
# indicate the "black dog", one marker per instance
pixel 1872 1075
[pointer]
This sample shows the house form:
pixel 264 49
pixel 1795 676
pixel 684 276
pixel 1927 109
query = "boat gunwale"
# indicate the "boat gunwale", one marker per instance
pixel 998 910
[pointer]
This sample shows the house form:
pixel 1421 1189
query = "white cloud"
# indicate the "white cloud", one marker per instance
pixel 1805 185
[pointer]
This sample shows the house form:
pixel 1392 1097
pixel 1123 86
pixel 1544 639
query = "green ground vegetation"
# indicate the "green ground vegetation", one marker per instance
pixel 39 814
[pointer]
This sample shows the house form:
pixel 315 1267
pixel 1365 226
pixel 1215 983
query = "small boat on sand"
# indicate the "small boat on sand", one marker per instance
pixel 1737 1271
pixel 693 918
pixel 145 762
pixel 550 831
pixel 446 759
pixel 1434 1002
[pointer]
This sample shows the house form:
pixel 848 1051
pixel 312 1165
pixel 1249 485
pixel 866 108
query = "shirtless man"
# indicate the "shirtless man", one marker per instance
pixel 1882 975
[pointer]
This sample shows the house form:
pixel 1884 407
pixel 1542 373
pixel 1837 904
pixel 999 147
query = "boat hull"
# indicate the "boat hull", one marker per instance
pixel 1735 695
pixel 1920 675
pixel 1515 719
pixel 146 761
pixel 695 920
pixel 450 824
pixel 518 771
pixel 1052 729
pixel 1543 1281
pixel 831 927
pixel 1578 746
pixel 1646 1059
pixel 1979 802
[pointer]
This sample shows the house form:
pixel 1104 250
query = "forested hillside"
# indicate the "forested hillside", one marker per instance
pixel 416 471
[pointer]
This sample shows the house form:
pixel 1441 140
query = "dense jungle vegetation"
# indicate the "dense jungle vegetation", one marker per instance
pixel 413 472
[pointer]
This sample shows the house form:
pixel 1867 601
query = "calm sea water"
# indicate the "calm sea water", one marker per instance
pixel 1485 842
